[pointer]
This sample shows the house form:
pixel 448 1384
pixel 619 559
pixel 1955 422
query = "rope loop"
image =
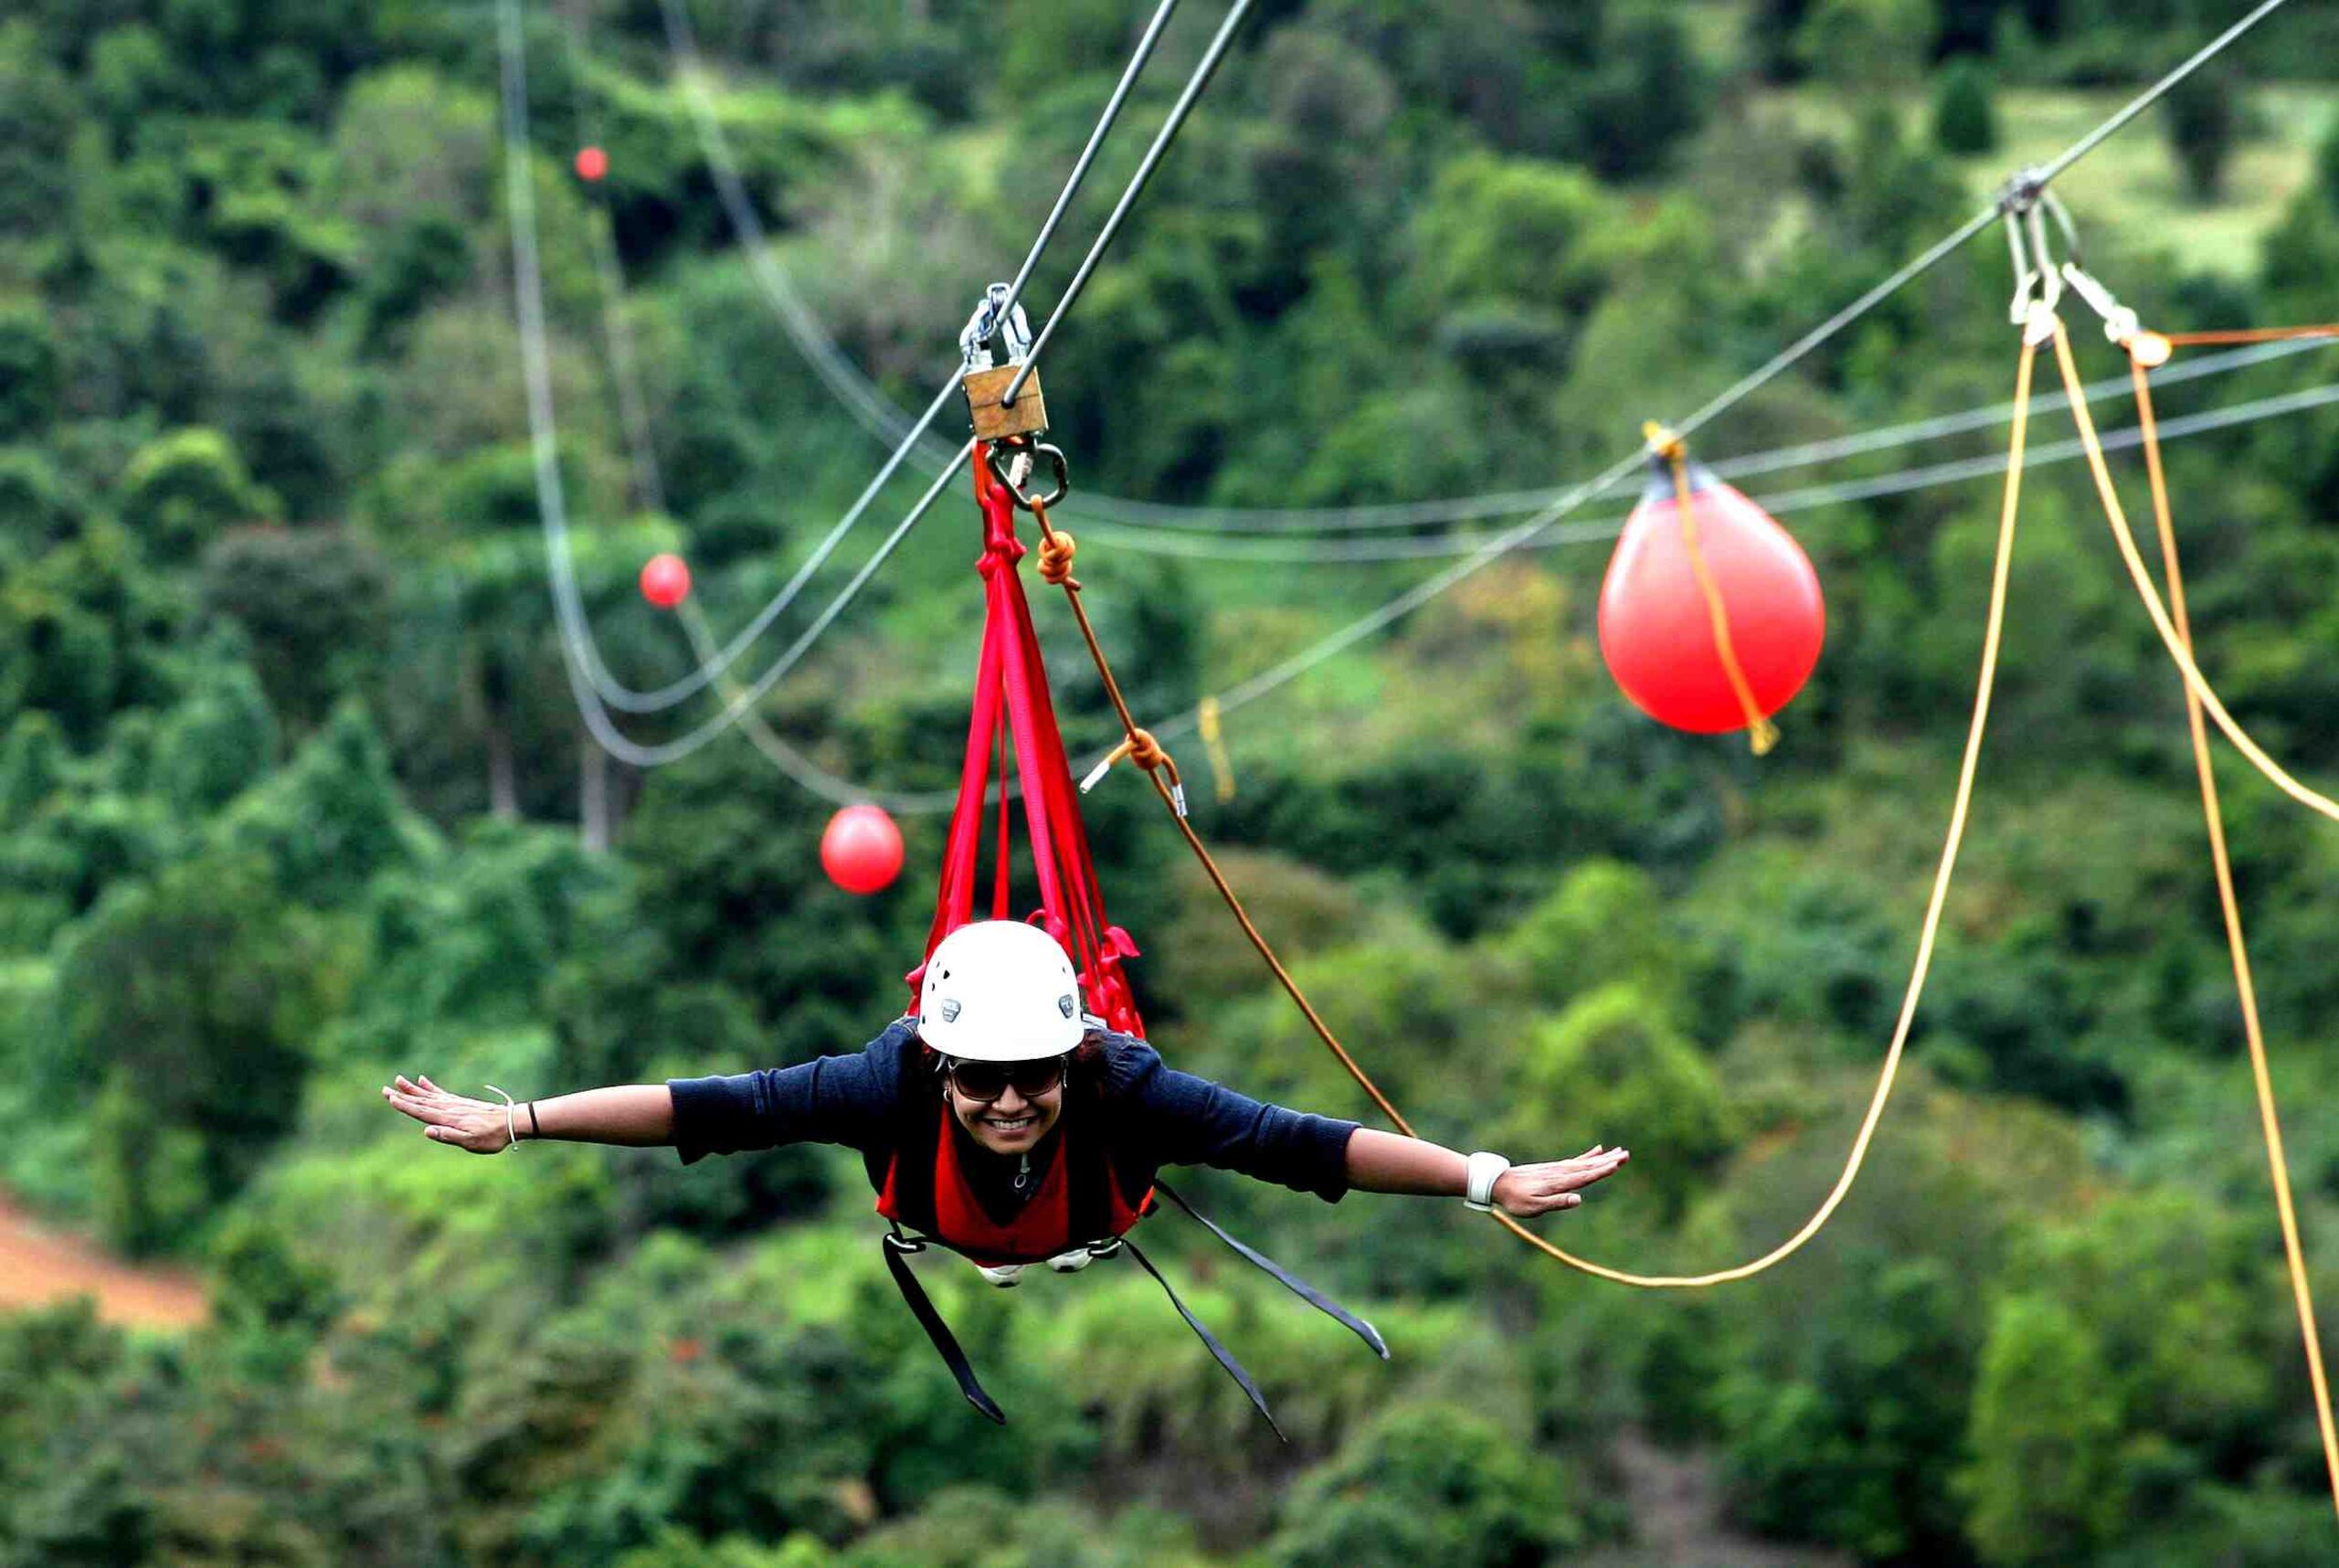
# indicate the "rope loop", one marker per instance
pixel 1056 551
pixel 1144 750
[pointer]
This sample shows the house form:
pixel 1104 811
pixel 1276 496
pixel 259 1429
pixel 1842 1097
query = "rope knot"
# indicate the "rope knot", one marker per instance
pixel 1144 750
pixel 1056 552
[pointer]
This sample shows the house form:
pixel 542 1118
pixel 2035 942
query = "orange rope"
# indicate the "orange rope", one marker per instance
pixel 2293 1252
pixel 1985 684
pixel 2251 334
pixel 1762 735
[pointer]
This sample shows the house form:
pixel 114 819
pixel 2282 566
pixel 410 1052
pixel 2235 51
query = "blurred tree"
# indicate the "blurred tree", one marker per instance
pixel 2203 115
pixel 28 370
pixel 36 508
pixel 1603 925
pixel 1854 1441
pixel 190 1000
pixel 2042 1482
pixel 331 819
pixel 1964 122
pixel 31 767
pixel 1428 1484
pixel 315 602
pixel 37 111
pixel 1645 95
pixel 220 740
pixel 184 491
pixel 1868 46
pixel 1613 1067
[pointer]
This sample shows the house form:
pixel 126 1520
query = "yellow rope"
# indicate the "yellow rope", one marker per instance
pixel 1762 735
pixel 2195 681
pixel 2293 1253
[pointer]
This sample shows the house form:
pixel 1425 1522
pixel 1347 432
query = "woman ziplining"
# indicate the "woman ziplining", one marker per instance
pixel 1016 1115
pixel 1003 1122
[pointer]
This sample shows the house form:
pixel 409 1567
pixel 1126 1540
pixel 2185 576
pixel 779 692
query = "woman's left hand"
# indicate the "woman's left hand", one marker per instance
pixel 1525 1190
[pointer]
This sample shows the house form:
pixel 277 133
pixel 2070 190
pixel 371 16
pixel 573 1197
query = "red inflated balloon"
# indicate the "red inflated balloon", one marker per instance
pixel 1657 631
pixel 862 849
pixel 591 162
pixel 665 581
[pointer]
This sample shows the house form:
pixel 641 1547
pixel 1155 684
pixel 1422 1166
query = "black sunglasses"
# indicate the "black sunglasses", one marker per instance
pixel 984 1081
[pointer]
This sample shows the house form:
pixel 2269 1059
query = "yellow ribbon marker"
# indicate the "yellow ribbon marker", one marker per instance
pixel 1222 767
pixel 1761 732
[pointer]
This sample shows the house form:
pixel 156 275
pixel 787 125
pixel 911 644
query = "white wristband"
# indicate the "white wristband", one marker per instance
pixel 511 1127
pixel 1478 1185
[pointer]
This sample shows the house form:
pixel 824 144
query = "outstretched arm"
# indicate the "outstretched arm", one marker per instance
pixel 636 1113
pixel 1389 1162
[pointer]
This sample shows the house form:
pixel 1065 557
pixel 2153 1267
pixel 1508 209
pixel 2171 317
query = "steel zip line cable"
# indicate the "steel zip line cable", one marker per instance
pixel 838 789
pixel 575 632
pixel 1348 552
pixel 1137 182
pixel 860 395
pixel 1503 544
pixel 1125 514
pixel 608 271
pixel 1253 523
pixel 613 692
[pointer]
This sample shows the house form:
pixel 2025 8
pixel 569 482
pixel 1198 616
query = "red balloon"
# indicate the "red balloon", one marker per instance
pixel 591 164
pixel 665 581
pixel 862 849
pixel 1657 633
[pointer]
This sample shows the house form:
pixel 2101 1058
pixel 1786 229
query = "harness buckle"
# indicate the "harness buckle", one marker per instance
pixel 1080 1257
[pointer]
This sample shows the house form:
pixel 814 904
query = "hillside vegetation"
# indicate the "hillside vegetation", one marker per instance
pixel 294 795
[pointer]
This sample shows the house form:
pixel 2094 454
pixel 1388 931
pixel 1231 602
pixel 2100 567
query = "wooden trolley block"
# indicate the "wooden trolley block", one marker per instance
pixel 993 419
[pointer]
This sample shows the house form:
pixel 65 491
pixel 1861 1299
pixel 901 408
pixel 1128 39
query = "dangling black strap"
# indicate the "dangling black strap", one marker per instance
pixel 897 1264
pixel 1234 1368
pixel 1289 1281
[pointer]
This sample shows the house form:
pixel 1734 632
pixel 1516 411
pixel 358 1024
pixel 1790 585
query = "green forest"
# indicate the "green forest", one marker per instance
pixel 295 795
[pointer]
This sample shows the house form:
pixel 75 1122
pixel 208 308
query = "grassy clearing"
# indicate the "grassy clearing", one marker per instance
pixel 2131 186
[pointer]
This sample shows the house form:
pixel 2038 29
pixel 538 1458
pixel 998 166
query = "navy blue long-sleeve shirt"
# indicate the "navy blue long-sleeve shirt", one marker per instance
pixel 1156 1116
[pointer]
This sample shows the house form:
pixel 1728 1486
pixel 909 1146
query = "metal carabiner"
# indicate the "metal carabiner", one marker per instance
pixel 1014 327
pixel 2050 276
pixel 1055 460
pixel 2026 276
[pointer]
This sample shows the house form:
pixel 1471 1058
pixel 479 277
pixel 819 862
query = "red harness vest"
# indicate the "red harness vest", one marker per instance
pixel 927 1189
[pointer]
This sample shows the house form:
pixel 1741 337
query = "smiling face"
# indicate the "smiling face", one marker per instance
pixel 1012 1124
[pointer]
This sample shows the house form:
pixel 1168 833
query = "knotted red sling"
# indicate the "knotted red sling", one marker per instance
pixel 1012 705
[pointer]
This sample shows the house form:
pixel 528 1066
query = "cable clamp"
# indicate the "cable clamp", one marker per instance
pixel 987 322
pixel 2018 202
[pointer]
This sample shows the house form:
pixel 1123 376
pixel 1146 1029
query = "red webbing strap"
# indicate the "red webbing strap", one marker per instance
pixel 1012 701
pixel 1000 898
pixel 956 906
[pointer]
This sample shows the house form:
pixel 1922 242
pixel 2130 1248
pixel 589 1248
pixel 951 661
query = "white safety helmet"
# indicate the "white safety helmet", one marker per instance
pixel 1000 990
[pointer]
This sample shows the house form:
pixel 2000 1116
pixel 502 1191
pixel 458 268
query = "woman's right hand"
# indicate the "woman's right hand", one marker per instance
pixel 1525 1190
pixel 480 1125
